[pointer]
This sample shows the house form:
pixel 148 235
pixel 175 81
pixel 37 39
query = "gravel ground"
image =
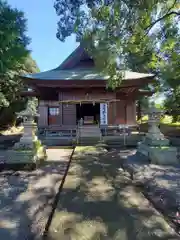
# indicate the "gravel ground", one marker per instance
pixel 26 197
pixel 161 184
pixel 99 201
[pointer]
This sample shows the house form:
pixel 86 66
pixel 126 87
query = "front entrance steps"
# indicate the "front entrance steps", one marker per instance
pixel 89 141
pixel 89 131
pixel 88 135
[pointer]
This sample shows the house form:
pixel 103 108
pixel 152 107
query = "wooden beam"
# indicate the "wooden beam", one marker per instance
pixel 29 94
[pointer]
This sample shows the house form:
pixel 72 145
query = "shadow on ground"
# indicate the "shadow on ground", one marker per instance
pixel 98 201
pixel 160 183
pixel 26 198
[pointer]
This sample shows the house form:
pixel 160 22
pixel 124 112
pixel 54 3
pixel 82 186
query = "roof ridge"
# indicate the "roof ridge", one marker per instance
pixel 70 57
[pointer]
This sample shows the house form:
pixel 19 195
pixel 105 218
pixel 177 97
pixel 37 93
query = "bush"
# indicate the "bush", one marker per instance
pixel 37 145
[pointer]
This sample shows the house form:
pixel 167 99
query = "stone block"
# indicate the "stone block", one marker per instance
pixel 21 156
pixel 25 156
pixel 159 155
pixel 163 155
pixel 156 142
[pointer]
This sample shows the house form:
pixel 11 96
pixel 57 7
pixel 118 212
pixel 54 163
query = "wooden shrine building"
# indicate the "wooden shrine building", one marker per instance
pixel 75 90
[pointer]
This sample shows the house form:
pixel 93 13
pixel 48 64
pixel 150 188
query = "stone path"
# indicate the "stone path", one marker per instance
pixel 26 197
pixel 98 201
pixel 161 183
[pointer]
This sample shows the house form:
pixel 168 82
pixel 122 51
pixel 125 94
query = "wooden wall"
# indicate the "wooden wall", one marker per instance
pixel 120 112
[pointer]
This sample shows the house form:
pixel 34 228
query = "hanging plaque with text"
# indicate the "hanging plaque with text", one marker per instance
pixel 103 114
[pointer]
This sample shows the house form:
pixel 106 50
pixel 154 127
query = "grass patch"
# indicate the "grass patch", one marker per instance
pixel 89 150
pixel 165 120
pixel 37 145
pixel 162 147
pixel 86 148
pixel 12 131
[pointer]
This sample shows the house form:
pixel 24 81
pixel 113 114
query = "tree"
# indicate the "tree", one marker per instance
pixel 126 34
pixel 126 28
pixel 172 103
pixel 17 103
pixel 13 51
pixel 14 60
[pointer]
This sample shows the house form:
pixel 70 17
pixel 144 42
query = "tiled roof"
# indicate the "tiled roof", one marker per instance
pixel 82 74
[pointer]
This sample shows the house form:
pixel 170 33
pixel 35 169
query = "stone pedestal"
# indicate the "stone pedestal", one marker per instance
pixel 155 146
pixel 164 155
pixel 30 156
pixel 29 137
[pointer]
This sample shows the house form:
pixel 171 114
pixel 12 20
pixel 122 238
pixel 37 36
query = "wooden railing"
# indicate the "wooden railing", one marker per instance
pixel 118 130
pixel 56 132
pixel 75 132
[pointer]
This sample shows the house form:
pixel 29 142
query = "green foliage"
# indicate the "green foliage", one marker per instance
pixel 13 40
pixel 14 60
pixel 166 119
pixel 16 103
pixel 144 119
pixel 142 36
pixel 13 51
pixel 172 103
pixel 37 145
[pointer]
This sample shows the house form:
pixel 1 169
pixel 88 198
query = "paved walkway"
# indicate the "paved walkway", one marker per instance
pixel 98 201
pixel 26 197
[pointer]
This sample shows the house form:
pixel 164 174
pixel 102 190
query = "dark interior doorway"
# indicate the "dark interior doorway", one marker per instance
pixel 88 110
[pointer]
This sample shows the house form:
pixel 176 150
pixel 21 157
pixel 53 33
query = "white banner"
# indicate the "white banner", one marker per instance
pixel 103 114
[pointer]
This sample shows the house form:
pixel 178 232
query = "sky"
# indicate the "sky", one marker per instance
pixel 42 20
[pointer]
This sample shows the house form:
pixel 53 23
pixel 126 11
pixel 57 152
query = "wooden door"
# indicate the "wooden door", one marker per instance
pixel 53 115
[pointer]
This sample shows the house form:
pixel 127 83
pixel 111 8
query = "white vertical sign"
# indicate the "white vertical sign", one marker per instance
pixel 103 114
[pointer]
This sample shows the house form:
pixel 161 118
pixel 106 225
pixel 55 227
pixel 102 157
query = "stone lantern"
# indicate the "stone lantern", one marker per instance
pixel 154 136
pixel 29 136
pixel 29 149
pixel 154 145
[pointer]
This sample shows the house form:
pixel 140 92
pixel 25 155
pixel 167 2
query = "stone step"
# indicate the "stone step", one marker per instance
pixel 85 131
pixel 58 141
pixel 89 130
pixel 88 140
pixel 90 135
pixel 89 126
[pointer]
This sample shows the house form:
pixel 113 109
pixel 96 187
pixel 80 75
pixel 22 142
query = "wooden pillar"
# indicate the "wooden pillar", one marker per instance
pixel 110 113
pixel 131 111
pixel 68 111
pixel 43 114
pixel 120 112
pixel 60 97
pixel 114 112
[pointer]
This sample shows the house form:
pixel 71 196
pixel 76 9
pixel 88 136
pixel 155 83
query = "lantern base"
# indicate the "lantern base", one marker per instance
pixel 156 142
pixel 162 155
